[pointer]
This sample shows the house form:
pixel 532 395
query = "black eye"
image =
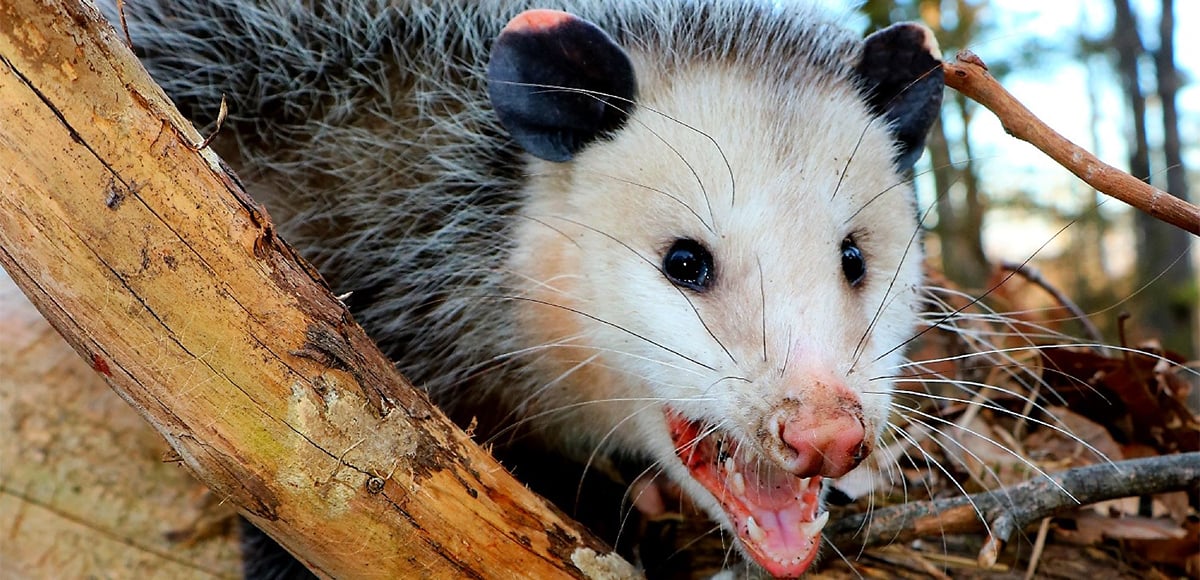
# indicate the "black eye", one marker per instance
pixel 688 264
pixel 854 265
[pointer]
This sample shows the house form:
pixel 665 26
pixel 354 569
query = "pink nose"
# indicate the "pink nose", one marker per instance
pixel 828 446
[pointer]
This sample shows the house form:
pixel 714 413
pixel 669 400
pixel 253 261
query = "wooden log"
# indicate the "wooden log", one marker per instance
pixel 159 270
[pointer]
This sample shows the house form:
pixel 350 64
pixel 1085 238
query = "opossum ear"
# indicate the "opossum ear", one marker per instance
pixel 901 69
pixel 558 82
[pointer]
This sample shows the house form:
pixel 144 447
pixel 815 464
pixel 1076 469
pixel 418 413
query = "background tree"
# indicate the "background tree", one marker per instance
pixel 1088 254
pixel 960 201
pixel 1175 321
pixel 1166 305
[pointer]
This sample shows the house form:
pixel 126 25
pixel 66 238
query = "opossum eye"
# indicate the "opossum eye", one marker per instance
pixel 688 264
pixel 854 265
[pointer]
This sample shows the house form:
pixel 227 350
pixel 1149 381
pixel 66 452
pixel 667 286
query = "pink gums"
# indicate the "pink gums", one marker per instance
pixel 772 510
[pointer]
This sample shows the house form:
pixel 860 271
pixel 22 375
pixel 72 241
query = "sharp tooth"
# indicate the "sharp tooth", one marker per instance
pixel 739 483
pixel 729 466
pixel 813 528
pixel 756 533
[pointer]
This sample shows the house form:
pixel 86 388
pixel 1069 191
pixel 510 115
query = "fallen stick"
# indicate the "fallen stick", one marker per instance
pixel 158 269
pixel 968 75
pixel 1003 512
pixel 1035 277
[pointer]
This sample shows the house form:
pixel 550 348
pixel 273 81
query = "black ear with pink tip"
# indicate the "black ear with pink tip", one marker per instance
pixel 558 82
pixel 901 70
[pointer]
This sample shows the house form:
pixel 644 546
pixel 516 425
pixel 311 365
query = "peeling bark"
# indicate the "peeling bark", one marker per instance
pixel 159 270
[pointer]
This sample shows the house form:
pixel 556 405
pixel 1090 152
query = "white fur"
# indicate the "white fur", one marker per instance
pixel 787 141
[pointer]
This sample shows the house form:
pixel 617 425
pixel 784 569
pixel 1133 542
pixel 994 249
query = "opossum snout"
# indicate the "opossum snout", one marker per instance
pixel 823 437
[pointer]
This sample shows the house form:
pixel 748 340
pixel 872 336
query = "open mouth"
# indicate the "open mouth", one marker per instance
pixel 773 511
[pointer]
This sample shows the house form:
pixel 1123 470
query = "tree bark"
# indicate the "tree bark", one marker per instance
pixel 170 282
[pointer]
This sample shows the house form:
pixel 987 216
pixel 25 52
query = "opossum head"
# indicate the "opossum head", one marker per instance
pixel 719 262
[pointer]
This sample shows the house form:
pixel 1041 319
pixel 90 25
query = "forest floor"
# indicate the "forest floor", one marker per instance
pixel 87 488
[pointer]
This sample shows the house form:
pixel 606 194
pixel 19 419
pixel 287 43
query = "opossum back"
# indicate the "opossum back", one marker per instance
pixel 365 128
pixel 362 127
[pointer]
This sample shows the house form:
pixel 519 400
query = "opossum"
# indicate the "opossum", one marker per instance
pixel 675 232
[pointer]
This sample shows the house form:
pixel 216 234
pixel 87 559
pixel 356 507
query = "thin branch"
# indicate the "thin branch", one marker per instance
pixel 1035 277
pixel 968 75
pixel 1011 509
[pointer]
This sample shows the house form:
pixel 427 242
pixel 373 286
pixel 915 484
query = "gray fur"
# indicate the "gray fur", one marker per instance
pixel 365 128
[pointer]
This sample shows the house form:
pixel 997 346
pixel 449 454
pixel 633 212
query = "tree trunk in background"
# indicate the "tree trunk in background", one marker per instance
pixel 1089 246
pixel 1176 319
pixel 1153 316
pixel 960 218
pixel 975 265
pixel 943 177
pixel 1128 45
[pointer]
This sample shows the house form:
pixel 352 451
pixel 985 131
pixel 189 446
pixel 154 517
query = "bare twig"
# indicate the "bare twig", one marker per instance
pixel 1038 546
pixel 1011 509
pixel 968 75
pixel 124 23
pixel 222 113
pixel 1035 277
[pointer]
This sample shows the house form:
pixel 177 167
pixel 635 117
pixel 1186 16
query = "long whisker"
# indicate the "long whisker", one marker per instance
pixel 787 356
pixel 762 292
pixel 857 144
pixel 863 134
pixel 632 501
pixel 643 106
pixel 986 404
pixel 850 158
pixel 862 341
pixel 537 393
pixel 975 338
pixel 977 299
pixel 595 318
pixel 994 443
pixel 842 556
pixel 510 357
pixel 901 446
pixel 650 401
pixel 600 445
pixel 566 344
pixel 560 232
pixel 909 180
pixel 1129 350
pixel 685 297
pixel 1140 289
pixel 929 459
pixel 926 482
pixel 669 195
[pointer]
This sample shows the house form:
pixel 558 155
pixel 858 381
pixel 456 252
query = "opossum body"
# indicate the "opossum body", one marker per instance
pixel 678 232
